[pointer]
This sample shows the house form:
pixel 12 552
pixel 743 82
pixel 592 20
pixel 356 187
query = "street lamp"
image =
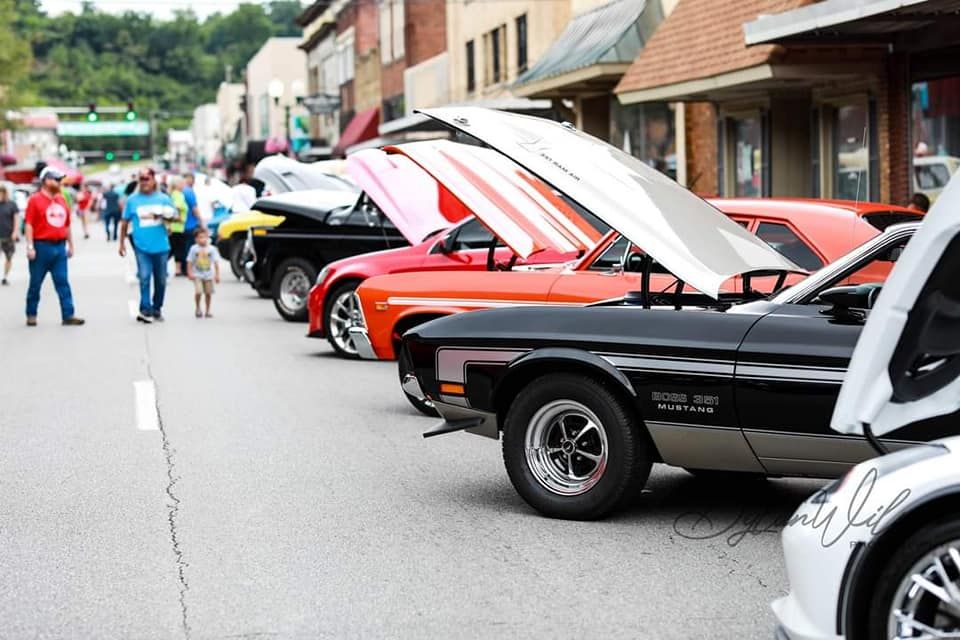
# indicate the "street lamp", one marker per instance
pixel 276 90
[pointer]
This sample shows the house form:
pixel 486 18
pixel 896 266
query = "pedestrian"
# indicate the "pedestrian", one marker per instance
pixel 84 206
pixel 148 210
pixel 919 202
pixel 49 246
pixel 178 236
pixel 203 268
pixel 193 210
pixel 8 231
pixel 111 212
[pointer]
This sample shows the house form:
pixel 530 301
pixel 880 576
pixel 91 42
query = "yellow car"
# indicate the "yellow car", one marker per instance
pixel 233 231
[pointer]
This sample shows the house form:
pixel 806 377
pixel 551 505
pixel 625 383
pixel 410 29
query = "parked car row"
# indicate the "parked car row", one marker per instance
pixel 545 289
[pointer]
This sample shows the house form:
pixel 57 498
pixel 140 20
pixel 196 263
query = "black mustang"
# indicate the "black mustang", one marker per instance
pixel 588 398
pixel 319 226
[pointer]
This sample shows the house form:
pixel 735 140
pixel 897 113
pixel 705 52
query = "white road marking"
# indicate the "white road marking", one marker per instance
pixel 133 306
pixel 145 395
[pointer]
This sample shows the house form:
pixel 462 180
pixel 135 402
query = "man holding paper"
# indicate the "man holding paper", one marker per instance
pixel 149 210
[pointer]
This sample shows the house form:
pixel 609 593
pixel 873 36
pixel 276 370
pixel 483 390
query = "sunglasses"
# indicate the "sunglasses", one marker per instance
pixel 145 177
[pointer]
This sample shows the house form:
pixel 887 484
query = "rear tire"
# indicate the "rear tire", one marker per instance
pixel 572 448
pixel 291 287
pixel 338 311
pixel 236 258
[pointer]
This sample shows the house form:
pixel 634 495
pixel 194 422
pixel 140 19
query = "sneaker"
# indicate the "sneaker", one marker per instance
pixel 144 318
pixel 208 315
pixel 4 282
pixel 158 317
pixel 199 313
pixel 73 321
pixel 31 321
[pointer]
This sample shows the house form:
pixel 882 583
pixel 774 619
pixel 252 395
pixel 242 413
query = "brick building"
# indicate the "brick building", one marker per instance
pixel 839 98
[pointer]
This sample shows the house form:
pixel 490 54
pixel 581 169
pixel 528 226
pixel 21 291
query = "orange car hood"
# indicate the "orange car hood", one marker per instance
pixel 684 233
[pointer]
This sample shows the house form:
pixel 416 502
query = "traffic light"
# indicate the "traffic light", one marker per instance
pixel 131 113
pixel 136 155
pixel 109 156
pixel 92 115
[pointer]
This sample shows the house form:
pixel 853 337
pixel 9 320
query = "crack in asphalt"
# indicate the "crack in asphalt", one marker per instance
pixel 173 504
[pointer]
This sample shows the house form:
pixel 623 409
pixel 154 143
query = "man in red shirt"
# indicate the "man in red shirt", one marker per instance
pixel 49 246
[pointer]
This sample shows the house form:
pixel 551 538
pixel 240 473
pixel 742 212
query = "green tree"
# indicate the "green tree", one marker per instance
pixel 15 58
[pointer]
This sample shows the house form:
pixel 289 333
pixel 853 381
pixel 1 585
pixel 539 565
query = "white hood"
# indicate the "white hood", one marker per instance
pixel 688 236
pixel 882 387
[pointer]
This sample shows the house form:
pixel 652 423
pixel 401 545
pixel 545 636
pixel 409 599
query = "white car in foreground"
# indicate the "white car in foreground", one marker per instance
pixel 876 554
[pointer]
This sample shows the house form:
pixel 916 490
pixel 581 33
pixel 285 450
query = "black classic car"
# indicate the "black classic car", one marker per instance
pixel 319 226
pixel 588 398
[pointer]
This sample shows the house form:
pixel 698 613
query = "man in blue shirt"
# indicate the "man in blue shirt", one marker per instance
pixel 148 209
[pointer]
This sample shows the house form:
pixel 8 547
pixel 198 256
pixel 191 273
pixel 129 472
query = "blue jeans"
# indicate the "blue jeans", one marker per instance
pixel 52 258
pixel 152 265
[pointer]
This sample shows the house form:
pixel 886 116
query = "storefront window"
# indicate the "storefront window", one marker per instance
pixel 747 138
pixel 935 124
pixel 851 150
pixel 646 131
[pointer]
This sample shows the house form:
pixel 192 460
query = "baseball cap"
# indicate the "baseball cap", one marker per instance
pixel 52 173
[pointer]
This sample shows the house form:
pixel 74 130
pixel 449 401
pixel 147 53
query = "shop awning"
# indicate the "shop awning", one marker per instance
pixel 699 49
pixel 852 22
pixel 593 51
pixel 362 127
pixel 416 122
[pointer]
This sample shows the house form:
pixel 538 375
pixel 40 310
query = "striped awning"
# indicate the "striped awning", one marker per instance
pixel 596 47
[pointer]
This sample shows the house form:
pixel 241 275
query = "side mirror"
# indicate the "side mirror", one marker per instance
pixel 442 247
pixel 846 299
pixel 893 255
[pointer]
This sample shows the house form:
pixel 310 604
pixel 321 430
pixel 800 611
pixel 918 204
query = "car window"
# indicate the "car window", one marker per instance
pixel 873 270
pixel 612 258
pixel 884 219
pixel 932 176
pixel 470 235
pixel 782 239
pixel 364 214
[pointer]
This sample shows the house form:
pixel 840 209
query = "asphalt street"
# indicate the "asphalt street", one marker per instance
pixel 275 491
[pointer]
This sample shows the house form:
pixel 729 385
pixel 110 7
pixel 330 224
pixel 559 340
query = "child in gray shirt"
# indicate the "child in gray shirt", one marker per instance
pixel 203 268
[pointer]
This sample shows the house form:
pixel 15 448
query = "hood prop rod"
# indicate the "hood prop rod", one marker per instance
pixel 878 446
pixel 645 280
pixel 678 295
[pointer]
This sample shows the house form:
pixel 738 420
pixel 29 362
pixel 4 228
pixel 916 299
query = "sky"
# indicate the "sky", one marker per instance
pixel 159 8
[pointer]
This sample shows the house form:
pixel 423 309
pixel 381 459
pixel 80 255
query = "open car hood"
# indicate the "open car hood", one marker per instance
pixel 906 365
pixel 516 206
pixel 406 194
pixel 313 203
pixel 283 175
pixel 688 236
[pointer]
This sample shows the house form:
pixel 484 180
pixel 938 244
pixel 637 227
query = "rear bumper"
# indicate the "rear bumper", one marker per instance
pixel 315 313
pixel 362 341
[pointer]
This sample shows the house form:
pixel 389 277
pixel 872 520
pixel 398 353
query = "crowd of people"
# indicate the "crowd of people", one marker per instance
pixel 160 220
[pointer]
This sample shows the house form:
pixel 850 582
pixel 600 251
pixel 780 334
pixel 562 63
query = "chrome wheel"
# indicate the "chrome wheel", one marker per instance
pixel 566 448
pixel 294 288
pixel 926 604
pixel 345 313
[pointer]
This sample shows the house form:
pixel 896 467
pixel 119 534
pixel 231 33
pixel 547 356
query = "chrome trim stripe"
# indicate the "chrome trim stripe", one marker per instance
pixel 476 302
pixel 662 364
pixel 689 425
